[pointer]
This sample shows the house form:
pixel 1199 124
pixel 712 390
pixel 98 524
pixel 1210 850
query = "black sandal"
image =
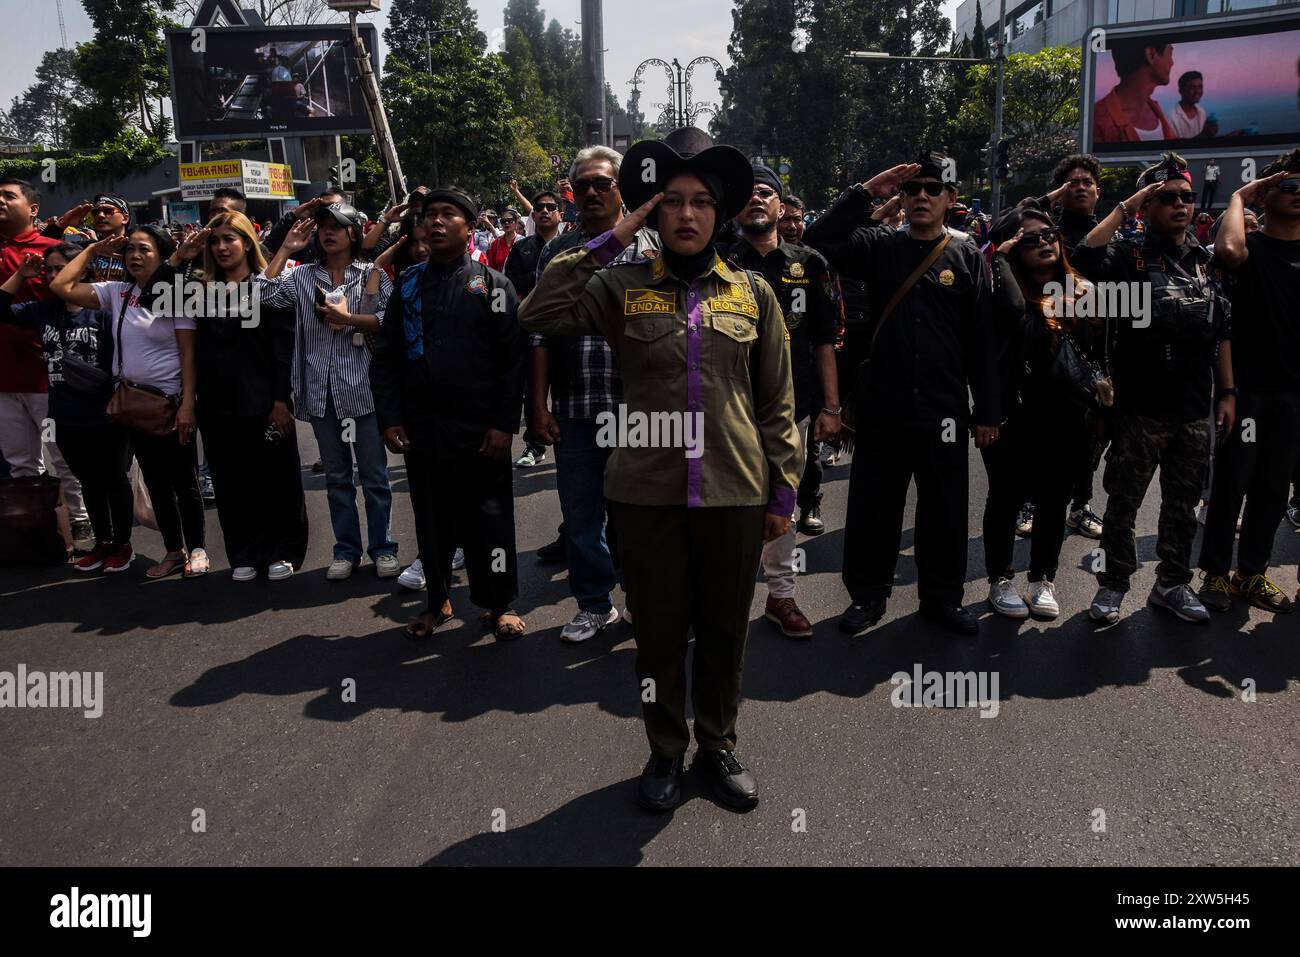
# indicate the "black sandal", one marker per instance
pixel 418 629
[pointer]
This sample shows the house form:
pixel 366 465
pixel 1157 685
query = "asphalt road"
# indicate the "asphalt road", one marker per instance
pixel 228 698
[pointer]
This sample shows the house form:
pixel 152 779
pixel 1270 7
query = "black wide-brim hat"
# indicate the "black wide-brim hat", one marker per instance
pixel 638 182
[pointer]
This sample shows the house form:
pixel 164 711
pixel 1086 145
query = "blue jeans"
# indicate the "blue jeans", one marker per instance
pixel 372 466
pixel 580 477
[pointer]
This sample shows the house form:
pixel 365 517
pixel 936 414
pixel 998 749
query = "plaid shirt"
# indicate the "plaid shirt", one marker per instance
pixel 597 386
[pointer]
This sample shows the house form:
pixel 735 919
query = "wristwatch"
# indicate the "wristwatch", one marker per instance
pixel 1224 393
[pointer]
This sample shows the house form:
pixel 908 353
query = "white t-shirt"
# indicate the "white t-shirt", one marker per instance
pixel 1211 173
pixel 150 355
pixel 1157 133
pixel 1184 126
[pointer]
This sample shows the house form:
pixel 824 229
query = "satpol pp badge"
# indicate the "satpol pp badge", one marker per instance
pixel 796 270
pixel 946 278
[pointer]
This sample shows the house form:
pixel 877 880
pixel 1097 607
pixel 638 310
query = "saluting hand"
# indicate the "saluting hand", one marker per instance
pixel 298 237
pixel 627 227
pixel 1141 197
pixel 888 209
pixel 32 266
pixel 1010 244
pixel 76 215
pixel 385 259
pixel 1251 190
pixel 193 244
pixel 882 184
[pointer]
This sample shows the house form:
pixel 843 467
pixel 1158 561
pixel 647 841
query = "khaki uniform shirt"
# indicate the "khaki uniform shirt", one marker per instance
pixel 711 353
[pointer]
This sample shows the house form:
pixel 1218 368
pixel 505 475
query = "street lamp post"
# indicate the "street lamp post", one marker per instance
pixel 998 61
pixel 681 109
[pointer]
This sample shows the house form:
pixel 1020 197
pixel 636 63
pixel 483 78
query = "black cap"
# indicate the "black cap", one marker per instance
pixel 766 176
pixel 726 165
pixel 345 214
pixel 457 197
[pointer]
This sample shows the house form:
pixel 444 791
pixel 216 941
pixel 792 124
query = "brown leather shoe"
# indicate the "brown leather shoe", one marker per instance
pixel 786 614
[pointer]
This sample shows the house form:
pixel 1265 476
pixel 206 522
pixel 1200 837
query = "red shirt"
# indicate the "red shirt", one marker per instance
pixel 499 251
pixel 22 360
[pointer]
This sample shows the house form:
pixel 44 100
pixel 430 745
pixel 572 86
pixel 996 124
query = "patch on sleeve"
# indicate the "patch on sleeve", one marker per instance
pixel 645 302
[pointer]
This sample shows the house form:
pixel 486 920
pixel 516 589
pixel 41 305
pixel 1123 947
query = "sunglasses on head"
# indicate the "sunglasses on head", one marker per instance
pixel 546 207
pixel 1037 238
pixel 603 184
pixel 913 188
pixel 1169 198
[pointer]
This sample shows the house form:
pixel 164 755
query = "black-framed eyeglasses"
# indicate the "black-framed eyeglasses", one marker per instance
pixel 1037 238
pixel 546 208
pixel 603 184
pixel 1169 198
pixel 913 188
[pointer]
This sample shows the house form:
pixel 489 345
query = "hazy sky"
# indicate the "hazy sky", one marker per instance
pixel 633 31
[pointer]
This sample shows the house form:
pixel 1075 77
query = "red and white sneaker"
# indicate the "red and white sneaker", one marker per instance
pixel 94 560
pixel 120 558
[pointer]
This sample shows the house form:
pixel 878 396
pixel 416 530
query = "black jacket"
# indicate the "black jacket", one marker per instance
pixel 938 342
pixel 521 264
pixel 87 334
pixel 449 358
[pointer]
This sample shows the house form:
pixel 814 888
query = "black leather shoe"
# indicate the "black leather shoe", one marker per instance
pixel 730 781
pixel 553 553
pixel 859 618
pixel 661 783
pixel 810 521
pixel 953 617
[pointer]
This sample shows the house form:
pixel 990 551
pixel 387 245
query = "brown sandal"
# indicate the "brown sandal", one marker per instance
pixel 507 626
pixel 169 566
pixel 420 628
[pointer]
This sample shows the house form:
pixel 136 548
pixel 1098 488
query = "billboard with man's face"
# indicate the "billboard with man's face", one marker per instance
pixel 234 82
pixel 1219 82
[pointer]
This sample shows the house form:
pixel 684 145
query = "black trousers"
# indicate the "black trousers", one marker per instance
pixel 689 571
pixel 460 497
pixel 1258 470
pixel 1034 460
pixel 810 485
pixel 100 457
pixel 884 464
pixel 1208 189
pixel 171 475
pixel 260 501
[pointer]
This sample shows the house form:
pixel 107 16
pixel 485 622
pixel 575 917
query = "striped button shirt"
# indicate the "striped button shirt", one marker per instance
pixel 326 363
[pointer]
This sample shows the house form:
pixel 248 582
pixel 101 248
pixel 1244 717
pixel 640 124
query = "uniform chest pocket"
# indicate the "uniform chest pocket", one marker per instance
pixel 728 348
pixel 649 346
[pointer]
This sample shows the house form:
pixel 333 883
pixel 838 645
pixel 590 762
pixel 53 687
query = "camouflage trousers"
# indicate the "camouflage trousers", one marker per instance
pixel 1138 446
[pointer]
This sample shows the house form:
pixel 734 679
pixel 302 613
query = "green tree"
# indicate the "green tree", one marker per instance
pixel 1040 108
pixel 979 39
pixel 123 70
pixel 40 114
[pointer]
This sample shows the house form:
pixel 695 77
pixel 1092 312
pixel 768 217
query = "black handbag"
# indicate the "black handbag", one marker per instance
pixel 1075 375
pixel 85 377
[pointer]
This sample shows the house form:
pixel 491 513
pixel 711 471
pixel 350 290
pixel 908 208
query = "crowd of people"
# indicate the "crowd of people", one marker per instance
pixel 679 286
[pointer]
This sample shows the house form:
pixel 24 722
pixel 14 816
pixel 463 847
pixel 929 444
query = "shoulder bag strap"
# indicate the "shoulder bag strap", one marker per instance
pixel 909 282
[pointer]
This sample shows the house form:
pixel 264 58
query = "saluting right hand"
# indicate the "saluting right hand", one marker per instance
pixel 385 259
pixel 882 184
pixel 108 246
pixel 1010 244
pixel 308 209
pixel 1251 190
pixel 298 237
pixel 627 227
pixel 889 209
pixel 32 266
pixel 1141 197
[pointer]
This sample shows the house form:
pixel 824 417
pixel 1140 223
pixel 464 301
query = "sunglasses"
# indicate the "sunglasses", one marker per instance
pixel 1289 185
pixel 1034 239
pixel 913 188
pixel 1186 197
pixel 509 221
pixel 603 184
pixel 546 208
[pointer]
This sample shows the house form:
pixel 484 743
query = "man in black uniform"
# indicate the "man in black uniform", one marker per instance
pixel 1164 362
pixel 448 379
pixel 931 343
pixel 1266 368
pixel 806 291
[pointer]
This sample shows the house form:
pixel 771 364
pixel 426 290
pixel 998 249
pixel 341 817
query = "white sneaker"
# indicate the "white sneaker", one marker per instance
pixel 1005 600
pixel 387 566
pixel 458 560
pixel 1042 599
pixel 278 571
pixel 413 577
pixel 340 569
pixel 244 573
pixel 586 624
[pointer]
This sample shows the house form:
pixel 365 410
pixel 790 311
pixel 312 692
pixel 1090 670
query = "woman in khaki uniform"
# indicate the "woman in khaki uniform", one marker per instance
pixel 706 457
